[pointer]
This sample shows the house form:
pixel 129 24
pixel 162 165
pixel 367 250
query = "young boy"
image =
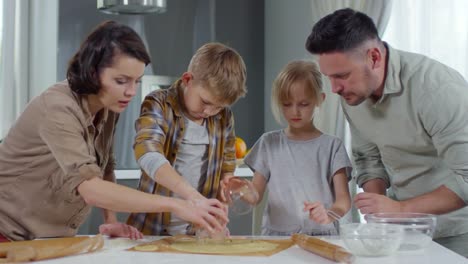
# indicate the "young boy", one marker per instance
pixel 185 135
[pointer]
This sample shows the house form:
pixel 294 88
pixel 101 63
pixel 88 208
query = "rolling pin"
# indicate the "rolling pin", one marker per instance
pixel 22 251
pixel 322 248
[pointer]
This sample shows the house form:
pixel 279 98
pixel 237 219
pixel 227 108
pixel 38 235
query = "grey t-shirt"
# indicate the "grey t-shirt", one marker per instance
pixel 296 171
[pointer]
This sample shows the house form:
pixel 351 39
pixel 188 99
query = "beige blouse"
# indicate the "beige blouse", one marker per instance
pixel 51 149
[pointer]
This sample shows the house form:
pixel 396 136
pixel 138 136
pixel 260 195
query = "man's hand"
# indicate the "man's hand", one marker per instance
pixel 369 203
pixel 120 230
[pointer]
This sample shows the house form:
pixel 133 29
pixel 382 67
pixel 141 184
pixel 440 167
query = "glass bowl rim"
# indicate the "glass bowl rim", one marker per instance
pixel 399 216
pixel 352 226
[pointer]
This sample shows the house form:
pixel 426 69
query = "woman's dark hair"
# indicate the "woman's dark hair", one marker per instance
pixel 98 52
pixel 342 31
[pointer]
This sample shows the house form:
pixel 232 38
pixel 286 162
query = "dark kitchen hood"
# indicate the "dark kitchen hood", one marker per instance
pixel 131 7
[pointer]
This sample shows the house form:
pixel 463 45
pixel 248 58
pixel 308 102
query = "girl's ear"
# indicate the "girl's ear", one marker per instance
pixel 186 77
pixel 322 95
pixel 320 99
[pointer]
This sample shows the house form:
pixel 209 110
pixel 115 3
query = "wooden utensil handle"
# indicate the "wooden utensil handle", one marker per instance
pixel 88 245
pixel 21 254
pixel 323 248
pixel 47 249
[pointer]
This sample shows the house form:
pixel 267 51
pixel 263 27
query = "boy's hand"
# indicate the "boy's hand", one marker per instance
pixel 317 212
pixel 120 230
pixel 201 234
pixel 209 214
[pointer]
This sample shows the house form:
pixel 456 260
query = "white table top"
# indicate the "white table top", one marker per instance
pixel 135 174
pixel 115 252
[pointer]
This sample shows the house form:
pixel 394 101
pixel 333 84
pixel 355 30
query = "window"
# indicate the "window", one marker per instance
pixel 1 48
pixel 435 28
pixel 1 27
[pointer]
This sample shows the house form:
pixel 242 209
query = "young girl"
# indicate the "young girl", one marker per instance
pixel 307 172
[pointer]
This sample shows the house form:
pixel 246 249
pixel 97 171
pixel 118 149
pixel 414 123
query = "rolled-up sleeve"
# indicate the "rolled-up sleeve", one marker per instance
pixel 151 128
pixel 109 171
pixel 367 160
pixel 447 124
pixel 64 135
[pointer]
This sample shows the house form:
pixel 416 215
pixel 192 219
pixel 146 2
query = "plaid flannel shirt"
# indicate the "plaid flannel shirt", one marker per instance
pixel 160 128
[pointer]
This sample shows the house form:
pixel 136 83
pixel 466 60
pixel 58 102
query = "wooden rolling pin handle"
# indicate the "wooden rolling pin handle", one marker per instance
pixel 24 251
pixel 323 248
pixel 20 254
pixel 343 256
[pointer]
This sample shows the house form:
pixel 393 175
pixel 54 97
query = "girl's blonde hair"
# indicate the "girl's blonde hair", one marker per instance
pixel 221 69
pixel 295 71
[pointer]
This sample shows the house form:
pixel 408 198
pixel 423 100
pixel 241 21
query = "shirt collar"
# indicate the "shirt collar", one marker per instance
pixel 175 99
pixel 102 114
pixel 175 96
pixel 392 83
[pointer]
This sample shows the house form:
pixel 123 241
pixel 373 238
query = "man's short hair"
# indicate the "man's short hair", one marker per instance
pixel 342 31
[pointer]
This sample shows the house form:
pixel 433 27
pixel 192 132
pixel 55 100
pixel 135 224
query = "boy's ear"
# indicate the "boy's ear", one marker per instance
pixel 186 77
pixel 323 96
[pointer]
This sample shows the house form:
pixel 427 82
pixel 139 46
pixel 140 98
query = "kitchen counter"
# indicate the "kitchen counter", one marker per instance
pixel 135 174
pixel 114 252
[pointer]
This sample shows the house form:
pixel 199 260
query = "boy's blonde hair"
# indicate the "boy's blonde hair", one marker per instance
pixel 221 69
pixel 295 71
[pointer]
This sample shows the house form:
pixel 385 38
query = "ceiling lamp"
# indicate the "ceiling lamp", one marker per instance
pixel 131 7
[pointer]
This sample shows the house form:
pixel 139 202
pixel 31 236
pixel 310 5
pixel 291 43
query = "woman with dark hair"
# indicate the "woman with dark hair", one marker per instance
pixel 57 159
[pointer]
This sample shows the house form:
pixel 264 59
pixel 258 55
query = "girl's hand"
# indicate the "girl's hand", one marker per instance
pixel 209 214
pixel 317 212
pixel 222 187
pixel 120 230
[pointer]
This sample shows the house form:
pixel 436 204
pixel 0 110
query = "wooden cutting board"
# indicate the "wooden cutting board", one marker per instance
pixel 22 251
pixel 232 246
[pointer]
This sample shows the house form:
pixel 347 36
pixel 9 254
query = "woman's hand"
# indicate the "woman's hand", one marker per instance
pixel 120 230
pixel 205 213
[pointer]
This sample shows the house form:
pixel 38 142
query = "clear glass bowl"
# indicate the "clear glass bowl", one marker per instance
pixel 372 240
pixel 241 195
pixel 418 228
pixel 202 235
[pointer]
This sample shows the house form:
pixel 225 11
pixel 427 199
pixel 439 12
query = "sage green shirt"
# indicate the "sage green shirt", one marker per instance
pixel 415 137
